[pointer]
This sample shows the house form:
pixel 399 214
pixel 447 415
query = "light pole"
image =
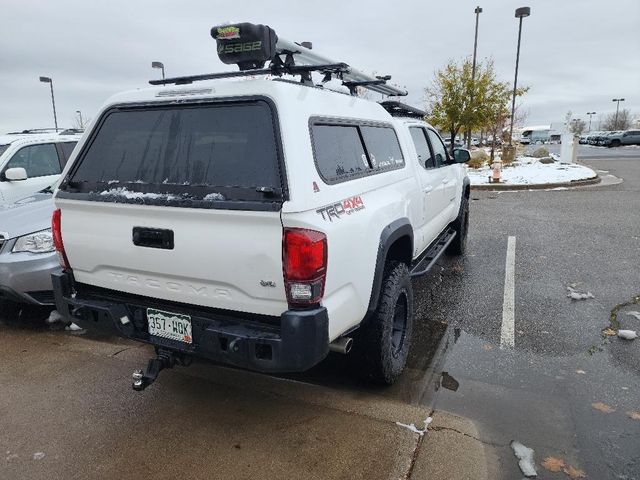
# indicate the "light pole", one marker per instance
pixel 590 115
pixel 615 123
pixel 81 122
pixel 477 11
pixel 159 65
pixel 53 100
pixel 520 13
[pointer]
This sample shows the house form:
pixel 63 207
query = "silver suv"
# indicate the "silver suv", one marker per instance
pixel 616 139
pixel 27 254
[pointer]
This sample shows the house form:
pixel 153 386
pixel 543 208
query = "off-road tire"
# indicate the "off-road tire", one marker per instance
pixel 380 355
pixel 461 226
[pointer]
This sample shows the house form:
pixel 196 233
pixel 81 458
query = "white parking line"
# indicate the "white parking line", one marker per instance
pixel 507 335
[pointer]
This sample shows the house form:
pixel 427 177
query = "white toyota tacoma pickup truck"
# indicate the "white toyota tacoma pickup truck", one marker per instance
pixel 258 223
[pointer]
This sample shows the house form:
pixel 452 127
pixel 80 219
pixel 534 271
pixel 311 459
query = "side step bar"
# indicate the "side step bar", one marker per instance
pixel 428 259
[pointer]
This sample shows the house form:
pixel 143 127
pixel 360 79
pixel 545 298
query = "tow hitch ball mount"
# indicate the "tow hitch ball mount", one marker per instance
pixel 164 359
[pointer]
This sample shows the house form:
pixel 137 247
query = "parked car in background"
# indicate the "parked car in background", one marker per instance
pixel 584 139
pixel 456 144
pixel 616 139
pixel 27 254
pixel 491 142
pixel 594 137
pixel 603 138
pixel 31 161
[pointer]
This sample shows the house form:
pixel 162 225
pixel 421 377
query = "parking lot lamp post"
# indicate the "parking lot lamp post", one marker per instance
pixel 615 122
pixel 520 13
pixel 590 115
pixel 159 65
pixel 53 100
pixel 477 11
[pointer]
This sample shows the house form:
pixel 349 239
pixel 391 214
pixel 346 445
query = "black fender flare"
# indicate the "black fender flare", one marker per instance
pixel 466 187
pixel 397 229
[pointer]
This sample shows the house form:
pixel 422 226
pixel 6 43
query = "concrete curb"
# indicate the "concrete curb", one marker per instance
pixel 452 450
pixel 538 186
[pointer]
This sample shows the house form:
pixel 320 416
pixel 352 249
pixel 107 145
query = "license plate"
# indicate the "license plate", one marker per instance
pixel 173 326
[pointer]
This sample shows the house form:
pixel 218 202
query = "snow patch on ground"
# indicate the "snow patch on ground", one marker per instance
pixel 627 334
pixel 529 171
pixel 575 295
pixel 415 429
pixel 54 317
pixel 525 459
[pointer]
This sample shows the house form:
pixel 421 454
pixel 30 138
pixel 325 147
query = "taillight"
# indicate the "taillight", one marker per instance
pixel 56 232
pixel 304 257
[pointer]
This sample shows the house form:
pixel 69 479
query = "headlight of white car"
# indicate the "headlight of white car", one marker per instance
pixel 39 242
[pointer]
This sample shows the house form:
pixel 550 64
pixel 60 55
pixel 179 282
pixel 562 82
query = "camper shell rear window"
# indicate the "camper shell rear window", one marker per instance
pixel 208 155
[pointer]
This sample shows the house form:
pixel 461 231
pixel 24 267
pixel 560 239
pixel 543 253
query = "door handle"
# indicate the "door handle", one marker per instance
pixel 153 238
pixel 428 189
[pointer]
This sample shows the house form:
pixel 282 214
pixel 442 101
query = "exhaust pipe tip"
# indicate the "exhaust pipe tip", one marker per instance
pixel 341 345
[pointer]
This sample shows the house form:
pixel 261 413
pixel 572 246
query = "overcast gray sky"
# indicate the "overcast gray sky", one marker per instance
pixel 576 54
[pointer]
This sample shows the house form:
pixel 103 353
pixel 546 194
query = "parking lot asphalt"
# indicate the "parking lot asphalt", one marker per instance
pixel 541 392
pixel 67 409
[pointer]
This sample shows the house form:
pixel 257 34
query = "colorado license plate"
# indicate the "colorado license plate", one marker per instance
pixel 173 326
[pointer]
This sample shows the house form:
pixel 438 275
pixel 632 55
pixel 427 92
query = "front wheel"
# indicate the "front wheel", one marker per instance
pixel 461 226
pixel 381 346
pixel 615 143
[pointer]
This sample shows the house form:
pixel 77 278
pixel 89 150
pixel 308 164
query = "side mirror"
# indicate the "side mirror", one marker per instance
pixel 16 174
pixel 461 155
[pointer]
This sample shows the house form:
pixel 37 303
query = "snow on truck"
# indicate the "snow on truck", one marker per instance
pixel 258 223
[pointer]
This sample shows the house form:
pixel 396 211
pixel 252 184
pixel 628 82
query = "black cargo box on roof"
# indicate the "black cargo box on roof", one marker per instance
pixel 248 45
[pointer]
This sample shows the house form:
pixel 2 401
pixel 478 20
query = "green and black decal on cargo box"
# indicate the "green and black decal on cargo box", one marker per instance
pixel 248 45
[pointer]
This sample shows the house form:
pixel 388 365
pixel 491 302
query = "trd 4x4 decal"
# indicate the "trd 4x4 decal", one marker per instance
pixel 336 210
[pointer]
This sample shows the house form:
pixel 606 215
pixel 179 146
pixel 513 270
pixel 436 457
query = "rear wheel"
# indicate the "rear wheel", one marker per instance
pixel 382 343
pixel 461 225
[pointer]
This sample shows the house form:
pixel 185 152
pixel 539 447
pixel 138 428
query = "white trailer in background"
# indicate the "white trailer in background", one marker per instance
pixel 542 134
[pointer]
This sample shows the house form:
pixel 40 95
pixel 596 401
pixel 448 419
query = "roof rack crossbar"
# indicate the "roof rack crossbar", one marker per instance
pixel 278 70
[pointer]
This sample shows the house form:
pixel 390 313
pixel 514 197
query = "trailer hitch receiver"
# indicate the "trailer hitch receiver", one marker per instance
pixel 164 359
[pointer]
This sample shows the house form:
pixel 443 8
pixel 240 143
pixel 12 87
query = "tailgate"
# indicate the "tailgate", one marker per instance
pixel 220 258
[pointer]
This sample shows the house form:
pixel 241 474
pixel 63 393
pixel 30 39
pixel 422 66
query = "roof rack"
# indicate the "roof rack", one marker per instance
pixel 399 109
pixel 251 46
pixel 31 131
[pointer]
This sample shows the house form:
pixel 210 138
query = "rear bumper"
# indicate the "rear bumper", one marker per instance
pixel 300 341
